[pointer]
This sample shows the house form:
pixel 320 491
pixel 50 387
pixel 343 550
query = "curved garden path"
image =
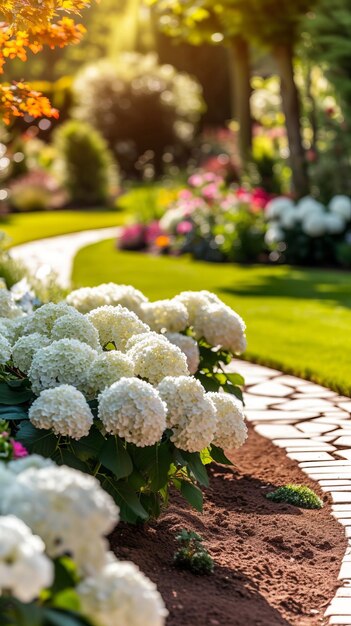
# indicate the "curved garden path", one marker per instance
pixel 57 253
pixel 313 425
pixel 310 422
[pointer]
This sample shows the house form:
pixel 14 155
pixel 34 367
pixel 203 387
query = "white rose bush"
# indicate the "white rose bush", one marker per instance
pixel 132 393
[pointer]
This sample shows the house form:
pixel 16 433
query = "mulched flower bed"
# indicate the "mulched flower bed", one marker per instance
pixel 276 565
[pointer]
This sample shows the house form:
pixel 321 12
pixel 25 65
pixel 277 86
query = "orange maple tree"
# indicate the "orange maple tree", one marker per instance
pixel 31 25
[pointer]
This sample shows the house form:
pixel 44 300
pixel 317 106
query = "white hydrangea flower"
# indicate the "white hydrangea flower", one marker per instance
pixel 121 594
pixel 231 430
pixel 76 327
pixel 6 329
pixel 277 207
pixel 64 410
pixel 314 225
pixel 5 350
pixel 308 206
pixel 335 223
pixel 195 300
pixel 153 361
pixel 43 319
pixel 32 461
pixel 190 413
pixel 189 346
pixel 107 369
pixel 69 510
pixel 221 326
pixel 8 307
pixel 274 234
pixel 116 324
pixel 150 338
pixel 289 218
pixel 6 481
pixel 133 410
pixel 15 327
pixel 341 205
pixel 169 315
pixel 89 298
pixel 25 348
pixel 66 361
pixel 24 568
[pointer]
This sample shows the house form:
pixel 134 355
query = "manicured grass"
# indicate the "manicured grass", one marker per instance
pixel 22 227
pixel 298 320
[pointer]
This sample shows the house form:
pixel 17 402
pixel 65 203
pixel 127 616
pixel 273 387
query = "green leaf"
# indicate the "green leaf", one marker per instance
pixel 162 462
pixel 14 395
pixel 63 456
pixel 235 391
pixel 235 379
pixel 193 495
pixel 206 457
pixel 209 383
pixel 195 465
pixel 37 440
pixel 54 617
pixel 13 413
pixel 90 446
pixel 65 576
pixel 115 457
pixel 218 455
pixel 125 497
pixel 67 599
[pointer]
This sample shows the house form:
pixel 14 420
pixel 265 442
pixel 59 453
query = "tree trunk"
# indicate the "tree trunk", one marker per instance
pixel 239 65
pixel 283 55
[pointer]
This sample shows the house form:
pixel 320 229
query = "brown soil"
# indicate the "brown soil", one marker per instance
pixel 276 565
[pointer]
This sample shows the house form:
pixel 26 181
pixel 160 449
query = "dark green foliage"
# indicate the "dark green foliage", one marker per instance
pixel 297 495
pixel 192 555
pixel 88 169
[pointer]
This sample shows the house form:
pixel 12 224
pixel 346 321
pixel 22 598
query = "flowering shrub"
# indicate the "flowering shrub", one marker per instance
pixel 208 220
pixel 55 564
pixel 126 390
pixel 36 191
pixel 309 232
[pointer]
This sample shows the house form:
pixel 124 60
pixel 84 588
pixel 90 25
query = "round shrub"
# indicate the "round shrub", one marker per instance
pixel 144 110
pixel 85 163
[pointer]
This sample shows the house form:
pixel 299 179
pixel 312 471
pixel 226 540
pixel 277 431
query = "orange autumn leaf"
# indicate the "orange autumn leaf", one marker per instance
pixel 19 99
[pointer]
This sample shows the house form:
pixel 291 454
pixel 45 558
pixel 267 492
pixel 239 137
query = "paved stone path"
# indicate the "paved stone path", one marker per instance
pixel 57 253
pixel 313 425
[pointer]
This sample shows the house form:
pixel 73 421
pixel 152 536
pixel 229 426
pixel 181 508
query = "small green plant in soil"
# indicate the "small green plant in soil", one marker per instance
pixel 297 495
pixel 192 555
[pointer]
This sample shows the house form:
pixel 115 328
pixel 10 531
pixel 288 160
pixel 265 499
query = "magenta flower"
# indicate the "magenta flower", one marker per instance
pixel 184 228
pixel 19 451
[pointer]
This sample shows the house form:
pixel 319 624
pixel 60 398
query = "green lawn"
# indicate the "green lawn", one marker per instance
pixel 22 227
pixel 298 320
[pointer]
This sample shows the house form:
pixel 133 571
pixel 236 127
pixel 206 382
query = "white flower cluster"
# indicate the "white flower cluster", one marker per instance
pixel 121 594
pixel 67 509
pixel 189 346
pixel 165 315
pixel 25 348
pixel 64 362
pixel 107 368
pixel 116 324
pixel 5 350
pixel 153 360
pixel 88 298
pixel 49 511
pixel 191 414
pixel 8 307
pixel 24 568
pixel 133 410
pixel 64 410
pixel 76 327
pixel 314 219
pixel 231 430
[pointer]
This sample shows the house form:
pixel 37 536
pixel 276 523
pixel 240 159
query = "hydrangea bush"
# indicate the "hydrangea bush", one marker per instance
pixel 133 393
pixel 55 564
pixel 309 232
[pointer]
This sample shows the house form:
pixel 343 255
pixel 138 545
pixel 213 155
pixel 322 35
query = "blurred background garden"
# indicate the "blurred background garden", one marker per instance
pixel 216 137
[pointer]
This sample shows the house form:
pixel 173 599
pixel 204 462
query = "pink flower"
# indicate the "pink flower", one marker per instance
pixel 184 228
pixel 210 192
pixel 4 434
pixel 19 451
pixel 153 231
pixel 185 194
pixel 196 180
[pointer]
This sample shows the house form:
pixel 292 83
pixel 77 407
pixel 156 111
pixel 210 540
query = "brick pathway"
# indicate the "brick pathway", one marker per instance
pixel 313 425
